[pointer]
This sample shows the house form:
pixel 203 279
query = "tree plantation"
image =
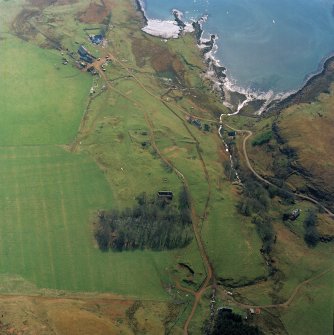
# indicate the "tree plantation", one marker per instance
pixel 153 223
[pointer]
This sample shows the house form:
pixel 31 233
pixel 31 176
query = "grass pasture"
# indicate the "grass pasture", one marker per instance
pixel 47 199
pixel 233 243
pixel 114 135
pixel 42 101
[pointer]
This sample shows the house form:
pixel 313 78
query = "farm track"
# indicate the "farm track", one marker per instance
pixel 167 105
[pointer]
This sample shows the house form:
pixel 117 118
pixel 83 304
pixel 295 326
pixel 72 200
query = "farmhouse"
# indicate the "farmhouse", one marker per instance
pixel 87 59
pixel 96 39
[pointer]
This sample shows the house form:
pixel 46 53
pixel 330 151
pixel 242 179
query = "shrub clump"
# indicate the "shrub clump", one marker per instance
pixel 229 323
pixel 311 235
pixel 262 138
pixel 255 203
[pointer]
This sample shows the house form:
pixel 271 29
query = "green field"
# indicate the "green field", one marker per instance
pixel 233 244
pixel 48 197
pixel 42 101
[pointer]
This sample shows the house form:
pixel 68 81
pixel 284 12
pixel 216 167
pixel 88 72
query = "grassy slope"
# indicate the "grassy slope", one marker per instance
pixel 312 311
pixel 309 134
pixel 308 128
pixel 295 261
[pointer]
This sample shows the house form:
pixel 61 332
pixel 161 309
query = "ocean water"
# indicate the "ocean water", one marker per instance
pixel 264 44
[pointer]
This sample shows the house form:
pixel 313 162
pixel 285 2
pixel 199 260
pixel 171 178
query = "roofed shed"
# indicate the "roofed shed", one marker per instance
pixel 166 195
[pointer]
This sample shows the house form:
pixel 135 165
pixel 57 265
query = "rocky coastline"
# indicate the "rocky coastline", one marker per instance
pixel 318 83
pixel 178 19
pixel 215 72
pixel 208 47
pixel 140 8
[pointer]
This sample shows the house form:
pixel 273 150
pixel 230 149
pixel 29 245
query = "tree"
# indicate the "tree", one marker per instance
pixel 102 235
pixel 184 199
pixel 266 232
pixel 311 235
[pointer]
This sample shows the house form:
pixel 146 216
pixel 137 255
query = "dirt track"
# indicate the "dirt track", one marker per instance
pixel 197 234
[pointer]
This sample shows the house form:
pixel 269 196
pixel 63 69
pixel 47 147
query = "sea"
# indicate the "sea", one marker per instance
pixel 265 45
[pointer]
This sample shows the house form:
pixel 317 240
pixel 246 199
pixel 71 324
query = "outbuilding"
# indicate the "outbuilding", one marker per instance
pixel 165 195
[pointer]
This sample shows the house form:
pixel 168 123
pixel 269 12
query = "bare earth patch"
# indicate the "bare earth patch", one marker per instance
pixel 95 12
pixel 23 315
pixel 308 129
pixel 159 56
